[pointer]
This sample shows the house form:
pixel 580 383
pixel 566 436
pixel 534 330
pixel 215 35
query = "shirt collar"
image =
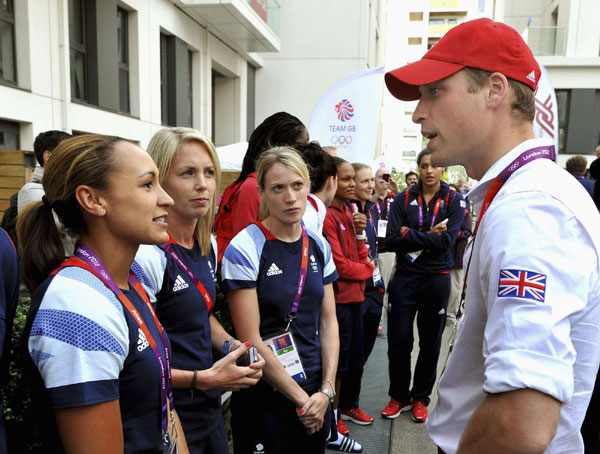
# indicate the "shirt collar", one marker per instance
pixel 38 173
pixel 477 194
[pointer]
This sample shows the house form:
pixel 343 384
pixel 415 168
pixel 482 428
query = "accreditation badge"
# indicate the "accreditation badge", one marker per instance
pixel 284 348
pixel 414 255
pixel 376 273
pixel 381 228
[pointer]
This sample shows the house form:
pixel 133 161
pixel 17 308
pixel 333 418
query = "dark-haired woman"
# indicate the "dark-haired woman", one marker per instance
pixel 240 203
pixel 102 359
pixel 345 231
pixel 423 224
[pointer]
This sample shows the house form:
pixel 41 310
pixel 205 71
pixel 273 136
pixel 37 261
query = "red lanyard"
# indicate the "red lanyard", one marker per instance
pixel 546 152
pixel 168 248
pixel 85 258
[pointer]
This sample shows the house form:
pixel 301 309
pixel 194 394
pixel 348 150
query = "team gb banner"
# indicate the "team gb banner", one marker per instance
pixel 545 124
pixel 347 116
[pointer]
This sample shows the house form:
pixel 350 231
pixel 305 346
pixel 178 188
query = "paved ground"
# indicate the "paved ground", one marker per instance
pixel 401 435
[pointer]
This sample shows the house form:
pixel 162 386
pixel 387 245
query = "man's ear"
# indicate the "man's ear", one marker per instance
pixel 497 90
pixel 90 200
pixel 45 156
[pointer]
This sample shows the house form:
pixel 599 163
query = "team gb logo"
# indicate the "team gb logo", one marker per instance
pixel 345 110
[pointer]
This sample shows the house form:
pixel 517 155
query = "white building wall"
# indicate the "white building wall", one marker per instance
pixel 321 42
pixel 42 100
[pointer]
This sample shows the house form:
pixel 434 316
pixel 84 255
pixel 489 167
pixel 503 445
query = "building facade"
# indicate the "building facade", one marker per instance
pixel 129 67
pixel 321 43
pixel 561 33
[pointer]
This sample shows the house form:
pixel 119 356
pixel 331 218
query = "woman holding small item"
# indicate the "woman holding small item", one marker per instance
pixel 180 277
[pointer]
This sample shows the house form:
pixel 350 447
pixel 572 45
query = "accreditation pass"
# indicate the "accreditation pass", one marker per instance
pixel 284 348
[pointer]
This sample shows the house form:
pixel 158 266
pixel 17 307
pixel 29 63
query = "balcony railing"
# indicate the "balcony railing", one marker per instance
pixel 547 40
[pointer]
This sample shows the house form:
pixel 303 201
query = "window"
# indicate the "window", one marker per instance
pixel 415 17
pixel 436 21
pixel 452 21
pixel 481 6
pixel 77 44
pixel 99 57
pixel 9 135
pixel 176 91
pixel 123 56
pixel 8 70
pixel 431 42
pixel 562 103
pixel 414 41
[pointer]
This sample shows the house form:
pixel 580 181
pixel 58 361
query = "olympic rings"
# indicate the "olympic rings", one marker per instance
pixel 341 141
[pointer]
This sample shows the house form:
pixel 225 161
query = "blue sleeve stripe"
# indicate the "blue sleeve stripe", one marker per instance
pixel 329 279
pixel 236 257
pixel 235 284
pixel 38 356
pixel 141 275
pixel 76 330
pixel 81 394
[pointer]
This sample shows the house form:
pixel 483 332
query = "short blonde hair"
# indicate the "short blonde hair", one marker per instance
pixel 287 156
pixel 163 146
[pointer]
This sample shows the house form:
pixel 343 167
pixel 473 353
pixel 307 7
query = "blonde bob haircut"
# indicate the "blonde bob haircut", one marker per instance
pixel 162 148
pixel 286 156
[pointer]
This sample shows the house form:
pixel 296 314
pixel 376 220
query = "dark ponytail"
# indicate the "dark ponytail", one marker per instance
pixel 81 160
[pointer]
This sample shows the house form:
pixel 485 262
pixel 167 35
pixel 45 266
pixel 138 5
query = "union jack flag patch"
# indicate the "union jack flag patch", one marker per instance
pixel 522 284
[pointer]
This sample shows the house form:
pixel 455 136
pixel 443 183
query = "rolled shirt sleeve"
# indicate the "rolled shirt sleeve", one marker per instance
pixel 528 341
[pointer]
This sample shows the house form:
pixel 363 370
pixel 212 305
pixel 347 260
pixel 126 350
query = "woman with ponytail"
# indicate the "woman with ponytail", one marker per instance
pixel 100 359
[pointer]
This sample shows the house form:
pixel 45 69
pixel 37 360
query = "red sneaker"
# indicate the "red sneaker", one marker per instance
pixel 419 411
pixel 357 416
pixel 342 427
pixel 394 408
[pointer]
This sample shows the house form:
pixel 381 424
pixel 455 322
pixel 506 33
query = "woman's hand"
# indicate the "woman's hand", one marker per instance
pixel 226 375
pixel 360 222
pixel 312 414
pixel 439 228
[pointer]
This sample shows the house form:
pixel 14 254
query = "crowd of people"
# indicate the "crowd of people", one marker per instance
pixel 122 251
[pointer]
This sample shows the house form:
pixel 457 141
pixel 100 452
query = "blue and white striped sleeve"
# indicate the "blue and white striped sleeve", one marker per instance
pixel 329 271
pixel 79 340
pixel 239 268
pixel 149 267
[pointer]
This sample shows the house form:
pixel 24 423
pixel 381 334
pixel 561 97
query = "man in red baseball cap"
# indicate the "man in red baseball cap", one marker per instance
pixel 528 338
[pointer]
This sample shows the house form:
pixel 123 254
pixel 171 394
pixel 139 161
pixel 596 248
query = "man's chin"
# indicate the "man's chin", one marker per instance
pixel 438 159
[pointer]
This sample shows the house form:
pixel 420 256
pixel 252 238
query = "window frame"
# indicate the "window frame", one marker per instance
pixel 123 63
pixel 8 17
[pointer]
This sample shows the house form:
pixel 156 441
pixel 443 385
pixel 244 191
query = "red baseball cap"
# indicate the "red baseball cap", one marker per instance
pixel 480 43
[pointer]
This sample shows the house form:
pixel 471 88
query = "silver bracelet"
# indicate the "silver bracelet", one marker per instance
pixel 361 237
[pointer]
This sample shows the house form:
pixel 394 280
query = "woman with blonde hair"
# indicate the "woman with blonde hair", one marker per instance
pixel 107 390
pixel 278 277
pixel 180 277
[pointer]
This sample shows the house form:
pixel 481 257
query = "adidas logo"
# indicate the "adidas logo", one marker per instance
pixel 414 202
pixel 273 270
pixel 531 76
pixel 142 343
pixel 180 284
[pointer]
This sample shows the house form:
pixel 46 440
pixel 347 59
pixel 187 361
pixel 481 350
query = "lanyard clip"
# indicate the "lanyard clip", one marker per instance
pixel 292 318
